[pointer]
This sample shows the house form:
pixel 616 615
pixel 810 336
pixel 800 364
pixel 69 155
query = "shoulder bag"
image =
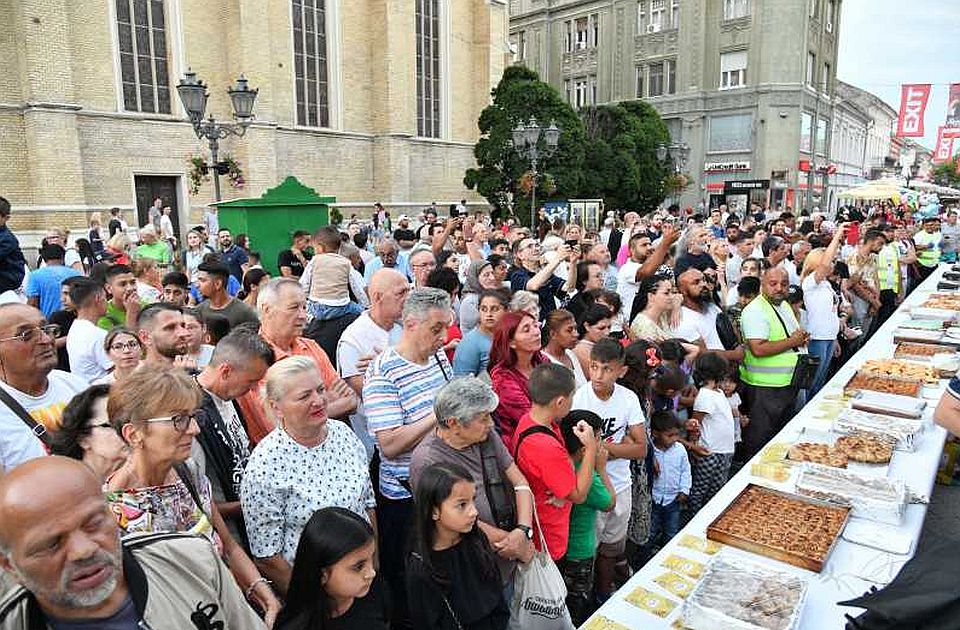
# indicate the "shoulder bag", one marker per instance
pixel 805 371
pixel 35 427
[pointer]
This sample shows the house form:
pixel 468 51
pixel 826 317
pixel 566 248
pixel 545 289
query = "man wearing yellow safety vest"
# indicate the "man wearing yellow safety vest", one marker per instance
pixel 773 338
pixel 929 241
pixel 889 263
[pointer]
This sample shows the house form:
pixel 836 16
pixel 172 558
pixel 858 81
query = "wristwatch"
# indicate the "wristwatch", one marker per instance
pixel 527 531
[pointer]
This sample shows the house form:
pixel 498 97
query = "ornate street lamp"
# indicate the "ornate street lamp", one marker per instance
pixel 193 96
pixel 535 143
pixel 676 153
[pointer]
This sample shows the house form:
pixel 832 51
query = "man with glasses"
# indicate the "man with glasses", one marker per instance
pixel 422 262
pixel 88 357
pixel 532 275
pixel 30 383
pixel 387 258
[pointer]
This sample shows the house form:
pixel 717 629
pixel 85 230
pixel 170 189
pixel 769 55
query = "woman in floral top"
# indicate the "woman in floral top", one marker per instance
pixel 153 409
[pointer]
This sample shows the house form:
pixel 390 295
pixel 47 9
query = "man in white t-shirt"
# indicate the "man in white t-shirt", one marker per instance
pixel 625 439
pixel 367 336
pixel 644 261
pixel 698 314
pixel 28 357
pixel 88 356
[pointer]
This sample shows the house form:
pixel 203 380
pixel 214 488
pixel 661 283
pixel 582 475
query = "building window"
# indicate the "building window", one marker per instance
pixel 671 76
pixel 831 15
pixel 675 14
pixel 640 81
pixel 521 45
pixel 658 12
pixel 580 92
pixel 595 30
pixel 427 16
pixel 733 9
pixel 593 90
pixel 811 69
pixel 583 32
pixel 655 80
pixel 568 36
pixel 310 62
pixel 567 94
pixel 141 33
pixel 806 131
pixel 821 136
pixel 733 69
pixel 825 79
pixel 641 16
pixel 731 133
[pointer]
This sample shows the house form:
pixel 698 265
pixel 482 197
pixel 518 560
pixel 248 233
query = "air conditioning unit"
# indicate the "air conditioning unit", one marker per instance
pixel 653 28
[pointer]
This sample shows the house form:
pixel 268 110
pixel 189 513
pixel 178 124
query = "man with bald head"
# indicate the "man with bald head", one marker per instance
pixel 772 338
pixel 62 548
pixel 29 383
pixel 698 314
pixel 372 333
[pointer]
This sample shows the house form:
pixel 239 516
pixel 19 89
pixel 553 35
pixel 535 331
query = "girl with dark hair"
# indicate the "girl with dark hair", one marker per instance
pixel 513 355
pixel 252 281
pixel 710 430
pixel 332 585
pixel 561 328
pixel 593 326
pixel 86 434
pixel 452 577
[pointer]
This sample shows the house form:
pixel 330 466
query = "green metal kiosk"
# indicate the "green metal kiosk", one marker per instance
pixel 271 219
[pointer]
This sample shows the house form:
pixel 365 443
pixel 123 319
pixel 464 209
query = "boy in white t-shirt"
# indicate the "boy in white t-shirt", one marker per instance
pixel 713 421
pixel 625 439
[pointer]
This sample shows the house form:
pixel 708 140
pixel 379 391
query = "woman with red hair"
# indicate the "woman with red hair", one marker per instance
pixel 513 355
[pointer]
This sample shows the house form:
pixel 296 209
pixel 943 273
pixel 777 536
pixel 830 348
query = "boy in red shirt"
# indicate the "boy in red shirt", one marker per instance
pixel 542 457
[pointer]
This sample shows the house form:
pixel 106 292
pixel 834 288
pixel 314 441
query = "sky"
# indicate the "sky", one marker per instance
pixel 884 43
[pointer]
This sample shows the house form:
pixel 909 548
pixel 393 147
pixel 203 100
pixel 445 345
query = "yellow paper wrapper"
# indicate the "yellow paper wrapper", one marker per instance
pixel 600 622
pixel 699 544
pixel 776 452
pixel 676 584
pixel 690 568
pixel 651 602
pixel 774 471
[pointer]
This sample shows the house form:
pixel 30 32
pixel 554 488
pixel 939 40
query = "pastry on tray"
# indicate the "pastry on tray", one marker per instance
pixel 901 369
pixel 818 454
pixel 901 387
pixel 863 447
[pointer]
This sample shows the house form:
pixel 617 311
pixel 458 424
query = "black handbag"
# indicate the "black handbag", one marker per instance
pixel 805 371
pixel 726 331
pixel 499 493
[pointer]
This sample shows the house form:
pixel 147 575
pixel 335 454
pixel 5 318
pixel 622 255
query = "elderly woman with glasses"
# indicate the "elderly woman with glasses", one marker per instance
pixel 464 436
pixel 86 434
pixel 158 488
pixel 306 463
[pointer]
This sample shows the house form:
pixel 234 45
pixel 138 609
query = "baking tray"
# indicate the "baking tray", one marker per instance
pixel 873 498
pixel 916 384
pixel 889 404
pixel 905 351
pixel 914 335
pixel 790 557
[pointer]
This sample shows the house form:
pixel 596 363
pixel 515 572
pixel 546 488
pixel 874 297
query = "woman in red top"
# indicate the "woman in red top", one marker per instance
pixel 513 355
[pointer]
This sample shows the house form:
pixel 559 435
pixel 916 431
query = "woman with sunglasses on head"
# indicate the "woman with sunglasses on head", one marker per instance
pixel 125 349
pixel 86 434
pixel 159 488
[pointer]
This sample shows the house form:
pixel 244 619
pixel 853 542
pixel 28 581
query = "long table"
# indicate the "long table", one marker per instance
pixel 851 568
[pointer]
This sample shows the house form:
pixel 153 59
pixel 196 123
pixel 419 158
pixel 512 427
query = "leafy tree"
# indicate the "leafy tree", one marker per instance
pixel 621 163
pixel 500 170
pixel 946 174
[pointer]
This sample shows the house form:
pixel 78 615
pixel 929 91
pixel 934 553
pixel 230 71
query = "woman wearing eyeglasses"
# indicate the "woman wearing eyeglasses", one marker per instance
pixel 86 434
pixel 158 488
pixel 125 350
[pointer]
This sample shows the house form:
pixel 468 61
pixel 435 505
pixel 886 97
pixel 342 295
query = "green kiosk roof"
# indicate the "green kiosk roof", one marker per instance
pixel 290 192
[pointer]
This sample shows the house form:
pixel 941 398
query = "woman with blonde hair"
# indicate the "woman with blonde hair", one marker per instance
pixel 118 246
pixel 147 273
pixel 159 488
pixel 306 463
pixel 96 233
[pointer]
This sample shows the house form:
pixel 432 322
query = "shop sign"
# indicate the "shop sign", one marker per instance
pixel 726 167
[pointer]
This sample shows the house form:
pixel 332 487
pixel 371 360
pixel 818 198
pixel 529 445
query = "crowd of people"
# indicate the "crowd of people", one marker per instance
pixel 383 433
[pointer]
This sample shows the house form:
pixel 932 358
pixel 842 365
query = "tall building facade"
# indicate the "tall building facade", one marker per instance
pixel 748 85
pixel 362 99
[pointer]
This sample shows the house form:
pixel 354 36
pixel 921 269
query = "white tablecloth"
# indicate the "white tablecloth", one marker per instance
pixel 851 568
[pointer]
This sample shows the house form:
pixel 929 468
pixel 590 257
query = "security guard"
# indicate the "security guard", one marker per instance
pixel 772 337
pixel 888 272
pixel 929 242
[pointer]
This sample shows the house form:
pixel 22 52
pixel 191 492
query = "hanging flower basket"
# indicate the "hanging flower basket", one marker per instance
pixel 199 172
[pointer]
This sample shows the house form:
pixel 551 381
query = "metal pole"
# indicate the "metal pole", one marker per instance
pixel 214 149
pixel 533 192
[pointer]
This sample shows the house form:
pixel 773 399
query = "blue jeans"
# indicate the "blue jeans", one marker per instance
pixel 822 348
pixel 322 312
pixel 664 519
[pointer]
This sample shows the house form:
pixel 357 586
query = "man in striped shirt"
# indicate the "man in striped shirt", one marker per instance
pixel 398 392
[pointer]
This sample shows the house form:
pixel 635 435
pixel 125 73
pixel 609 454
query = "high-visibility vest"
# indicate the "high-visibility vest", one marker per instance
pixel 928 257
pixel 888 268
pixel 775 370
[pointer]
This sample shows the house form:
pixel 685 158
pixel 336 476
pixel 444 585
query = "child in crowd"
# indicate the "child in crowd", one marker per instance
pixel 327 279
pixel 729 386
pixel 672 480
pixel 625 438
pixel 712 421
pixel 333 581
pixel 542 458
pixel 453 582
pixel 577 564
pixel 666 383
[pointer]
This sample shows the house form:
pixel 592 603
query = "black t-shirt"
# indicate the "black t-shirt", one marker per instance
pixel 64 319
pixel 287 258
pixel 401 234
pixel 124 619
pixel 366 613
pixel 114 226
pixel 552 288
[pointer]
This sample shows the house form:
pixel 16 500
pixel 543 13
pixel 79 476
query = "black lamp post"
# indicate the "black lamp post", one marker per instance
pixel 675 152
pixel 912 172
pixel 527 142
pixel 193 95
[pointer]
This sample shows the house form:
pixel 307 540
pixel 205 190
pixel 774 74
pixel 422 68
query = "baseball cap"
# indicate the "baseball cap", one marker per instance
pixel 403 217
